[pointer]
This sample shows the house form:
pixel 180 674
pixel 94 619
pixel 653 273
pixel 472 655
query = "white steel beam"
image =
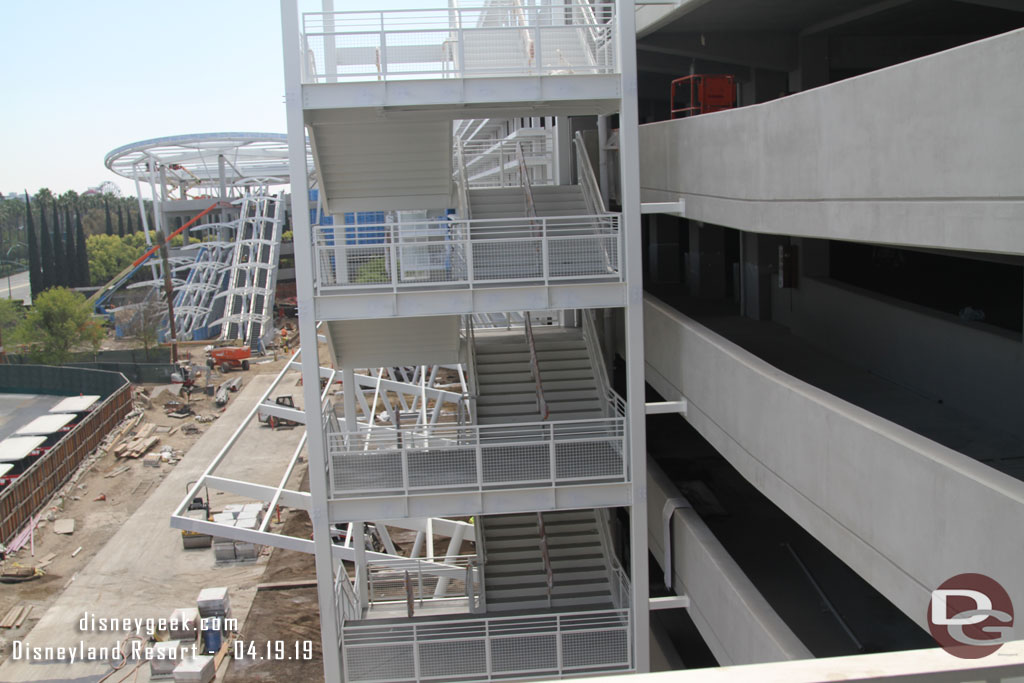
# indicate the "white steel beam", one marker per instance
pixel 465 503
pixel 629 174
pixel 666 407
pixel 316 447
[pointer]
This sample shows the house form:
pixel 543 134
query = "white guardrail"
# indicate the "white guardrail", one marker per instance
pixel 506 38
pixel 460 252
pixel 403 580
pixel 547 646
pixel 477 457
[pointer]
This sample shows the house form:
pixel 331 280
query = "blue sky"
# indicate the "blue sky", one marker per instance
pixel 82 78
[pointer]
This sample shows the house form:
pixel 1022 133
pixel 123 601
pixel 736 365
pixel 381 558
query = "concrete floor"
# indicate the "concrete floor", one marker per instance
pixel 17 410
pixel 143 571
pixel 982 440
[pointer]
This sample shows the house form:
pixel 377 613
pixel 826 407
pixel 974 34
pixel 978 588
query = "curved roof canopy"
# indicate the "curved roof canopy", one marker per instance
pixel 194 160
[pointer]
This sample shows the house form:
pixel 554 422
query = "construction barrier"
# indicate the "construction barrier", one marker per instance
pixel 30 492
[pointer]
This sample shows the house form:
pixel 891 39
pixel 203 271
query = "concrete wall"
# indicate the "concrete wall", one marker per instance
pixel 925 153
pixel 902 511
pixel 737 623
pixel 972 369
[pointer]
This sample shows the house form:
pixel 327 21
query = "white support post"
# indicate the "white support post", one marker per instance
pixel 453 551
pixel 319 515
pixel 349 388
pixel 359 546
pixel 629 175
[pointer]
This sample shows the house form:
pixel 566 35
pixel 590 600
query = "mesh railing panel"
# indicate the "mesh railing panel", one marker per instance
pixel 514 464
pixel 477 457
pixel 444 467
pixel 418 254
pixel 491 40
pixel 367 470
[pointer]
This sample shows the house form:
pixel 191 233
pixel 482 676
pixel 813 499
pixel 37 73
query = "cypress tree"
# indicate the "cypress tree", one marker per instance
pixel 110 224
pixel 60 262
pixel 35 270
pixel 83 254
pixel 69 245
pixel 71 255
pixel 120 221
pixel 130 228
pixel 46 256
pixel 61 276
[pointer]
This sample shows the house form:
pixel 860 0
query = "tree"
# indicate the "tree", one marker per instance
pixel 46 256
pixel 60 321
pixel 145 324
pixel 108 256
pixel 11 315
pixel 71 255
pixel 106 208
pixel 35 270
pixel 131 229
pixel 60 263
pixel 120 221
pixel 82 267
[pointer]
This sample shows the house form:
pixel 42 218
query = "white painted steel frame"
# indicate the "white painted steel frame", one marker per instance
pixel 629 174
pixel 330 633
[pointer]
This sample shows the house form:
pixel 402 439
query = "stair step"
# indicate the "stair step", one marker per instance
pixel 597 601
pixel 547 375
pixel 558 567
pixel 507 555
pixel 550 395
pixel 596 574
pixel 538 587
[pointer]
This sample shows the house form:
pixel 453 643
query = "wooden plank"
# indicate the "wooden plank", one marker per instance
pixel 8 617
pixel 12 616
pixel 146 430
pixel 283 585
pixel 23 617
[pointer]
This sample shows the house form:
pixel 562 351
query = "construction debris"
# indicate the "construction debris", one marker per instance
pixel 77 551
pixel 64 526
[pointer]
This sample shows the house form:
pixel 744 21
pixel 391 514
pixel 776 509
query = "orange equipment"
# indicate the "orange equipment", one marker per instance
pixel 228 357
pixel 702 94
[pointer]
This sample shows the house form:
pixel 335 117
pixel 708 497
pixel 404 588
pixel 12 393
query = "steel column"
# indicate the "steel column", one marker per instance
pixel 629 175
pixel 329 631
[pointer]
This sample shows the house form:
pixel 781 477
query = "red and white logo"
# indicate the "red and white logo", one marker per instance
pixel 970 616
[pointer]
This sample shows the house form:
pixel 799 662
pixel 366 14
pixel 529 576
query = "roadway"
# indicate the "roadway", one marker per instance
pixel 16 287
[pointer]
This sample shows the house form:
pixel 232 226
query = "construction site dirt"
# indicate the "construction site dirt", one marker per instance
pixel 122 546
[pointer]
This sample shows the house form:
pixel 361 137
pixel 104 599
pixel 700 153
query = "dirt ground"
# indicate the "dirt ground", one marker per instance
pixel 96 521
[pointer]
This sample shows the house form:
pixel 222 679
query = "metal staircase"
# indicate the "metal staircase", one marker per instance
pixel 515 564
pixel 252 274
pixel 507 387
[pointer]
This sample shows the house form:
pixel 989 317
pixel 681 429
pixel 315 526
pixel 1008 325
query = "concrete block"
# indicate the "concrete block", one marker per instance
pixel 194 670
pixel 166 657
pixel 185 623
pixel 224 551
pixel 151 460
pixel 213 601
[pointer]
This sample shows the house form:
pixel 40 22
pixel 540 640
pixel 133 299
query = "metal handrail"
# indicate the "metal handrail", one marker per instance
pixel 545 554
pixel 462 183
pixel 615 404
pixel 524 181
pixel 588 180
pixel 542 404
pixel 520 18
pixel 411 43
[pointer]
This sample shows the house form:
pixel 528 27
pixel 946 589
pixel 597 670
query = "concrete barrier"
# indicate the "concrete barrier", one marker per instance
pixel 901 510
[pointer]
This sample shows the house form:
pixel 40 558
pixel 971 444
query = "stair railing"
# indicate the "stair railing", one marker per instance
pixel 542 404
pixel 588 180
pixel 545 554
pixel 462 183
pixel 614 403
pixel 524 181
